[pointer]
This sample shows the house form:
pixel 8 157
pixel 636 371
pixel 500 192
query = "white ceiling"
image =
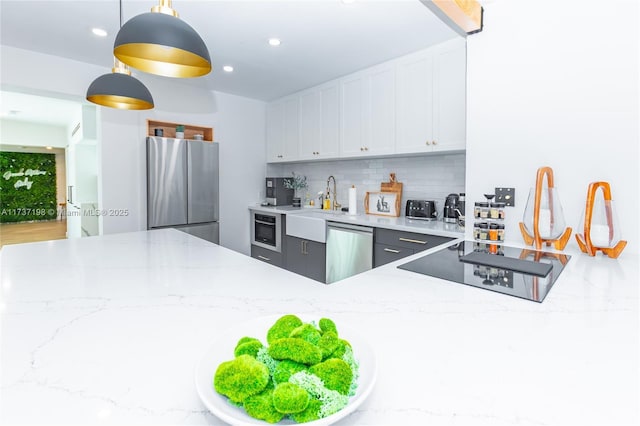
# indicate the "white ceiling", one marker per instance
pixel 321 39
pixel 38 109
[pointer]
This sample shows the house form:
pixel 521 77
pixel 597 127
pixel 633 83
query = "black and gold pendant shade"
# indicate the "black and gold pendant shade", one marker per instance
pixel 120 90
pixel 160 43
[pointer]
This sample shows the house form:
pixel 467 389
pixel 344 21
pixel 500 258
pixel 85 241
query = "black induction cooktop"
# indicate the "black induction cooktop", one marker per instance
pixel 525 273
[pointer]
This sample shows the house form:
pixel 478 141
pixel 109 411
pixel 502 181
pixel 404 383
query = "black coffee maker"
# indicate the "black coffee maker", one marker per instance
pixel 451 208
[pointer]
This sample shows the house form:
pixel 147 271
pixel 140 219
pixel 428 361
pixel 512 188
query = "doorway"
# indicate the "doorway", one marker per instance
pixel 39 135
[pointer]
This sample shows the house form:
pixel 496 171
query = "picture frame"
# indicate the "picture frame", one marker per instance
pixel 382 203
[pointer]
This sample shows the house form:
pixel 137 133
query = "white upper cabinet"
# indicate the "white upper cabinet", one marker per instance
pixel 329 121
pixel 309 124
pixel 291 128
pixel 449 89
pixel 352 107
pixel 380 119
pixel 368 112
pixel 431 99
pixel 275 131
pixel 283 130
pixel 320 122
pixel 414 119
pixel 412 104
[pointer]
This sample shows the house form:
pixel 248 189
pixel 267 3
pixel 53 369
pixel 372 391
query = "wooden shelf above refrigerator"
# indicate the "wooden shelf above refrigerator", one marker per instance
pixel 169 130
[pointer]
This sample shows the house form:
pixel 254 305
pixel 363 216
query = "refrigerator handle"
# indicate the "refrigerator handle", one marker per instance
pixel 190 171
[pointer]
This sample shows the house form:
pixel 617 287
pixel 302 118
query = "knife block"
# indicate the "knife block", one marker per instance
pixel 605 222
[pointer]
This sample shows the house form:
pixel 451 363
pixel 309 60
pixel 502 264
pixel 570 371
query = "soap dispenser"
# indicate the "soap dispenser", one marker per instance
pixel 326 204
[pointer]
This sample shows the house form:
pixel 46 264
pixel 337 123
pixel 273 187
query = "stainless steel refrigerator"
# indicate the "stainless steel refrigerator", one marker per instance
pixel 182 186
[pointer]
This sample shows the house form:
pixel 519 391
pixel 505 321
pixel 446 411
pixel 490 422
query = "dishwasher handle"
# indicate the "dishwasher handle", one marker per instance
pixel 348 227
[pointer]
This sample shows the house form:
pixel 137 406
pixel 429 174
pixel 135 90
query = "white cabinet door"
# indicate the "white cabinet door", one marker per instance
pixel 352 106
pixel 283 130
pixel 275 132
pixel 414 117
pixel 291 128
pixel 310 118
pixel 449 106
pixel 431 99
pixel 329 141
pixel 380 120
pixel 320 122
pixel 368 113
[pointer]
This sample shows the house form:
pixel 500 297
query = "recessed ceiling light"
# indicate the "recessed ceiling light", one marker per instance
pixel 274 41
pixel 99 32
pixel 49 147
pixel 228 68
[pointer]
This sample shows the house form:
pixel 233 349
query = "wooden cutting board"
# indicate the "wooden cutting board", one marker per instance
pixel 392 186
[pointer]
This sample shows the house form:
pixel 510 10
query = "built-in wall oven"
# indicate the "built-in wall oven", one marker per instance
pixel 265 230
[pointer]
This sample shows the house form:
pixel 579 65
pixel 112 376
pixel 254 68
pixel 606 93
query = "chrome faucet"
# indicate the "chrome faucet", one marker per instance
pixel 336 205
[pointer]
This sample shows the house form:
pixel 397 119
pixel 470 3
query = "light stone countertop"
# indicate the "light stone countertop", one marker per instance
pixel 433 227
pixel 107 330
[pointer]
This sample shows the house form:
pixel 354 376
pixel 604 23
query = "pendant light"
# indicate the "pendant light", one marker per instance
pixel 158 42
pixel 119 89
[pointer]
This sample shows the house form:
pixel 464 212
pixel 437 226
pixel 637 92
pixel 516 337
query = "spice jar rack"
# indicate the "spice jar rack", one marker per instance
pixel 488 226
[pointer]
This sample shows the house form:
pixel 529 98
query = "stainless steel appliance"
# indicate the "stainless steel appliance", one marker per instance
pixel 506 270
pixel 265 230
pixel 421 209
pixel 277 194
pixel 349 250
pixel 450 206
pixel 182 186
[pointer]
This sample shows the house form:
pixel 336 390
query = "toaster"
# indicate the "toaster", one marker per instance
pixel 421 209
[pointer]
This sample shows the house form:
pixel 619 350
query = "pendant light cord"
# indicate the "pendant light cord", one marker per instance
pixel 118 65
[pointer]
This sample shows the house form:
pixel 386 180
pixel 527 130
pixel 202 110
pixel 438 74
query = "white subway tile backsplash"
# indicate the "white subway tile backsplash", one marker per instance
pixel 424 177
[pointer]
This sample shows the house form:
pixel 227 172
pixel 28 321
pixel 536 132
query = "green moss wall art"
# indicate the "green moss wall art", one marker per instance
pixel 27 187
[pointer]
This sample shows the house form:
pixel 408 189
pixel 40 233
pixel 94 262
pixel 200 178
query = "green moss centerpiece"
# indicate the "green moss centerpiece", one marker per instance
pixel 304 373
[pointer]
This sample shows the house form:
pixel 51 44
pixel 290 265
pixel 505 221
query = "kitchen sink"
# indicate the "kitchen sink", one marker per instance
pixel 310 225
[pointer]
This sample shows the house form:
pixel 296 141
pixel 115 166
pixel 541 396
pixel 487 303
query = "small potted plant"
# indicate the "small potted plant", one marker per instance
pixel 297 183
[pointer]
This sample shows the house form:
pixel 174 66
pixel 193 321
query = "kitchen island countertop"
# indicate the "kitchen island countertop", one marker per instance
pixel 107 330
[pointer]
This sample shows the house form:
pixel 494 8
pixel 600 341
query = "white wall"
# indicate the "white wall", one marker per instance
pixel 121 170
pixel 21 133
pixel 555 83
pixel 239 126
pixel 86 173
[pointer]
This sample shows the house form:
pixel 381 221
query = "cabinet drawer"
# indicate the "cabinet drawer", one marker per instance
pixel 410 240
pixel 386 253
pixel 266 255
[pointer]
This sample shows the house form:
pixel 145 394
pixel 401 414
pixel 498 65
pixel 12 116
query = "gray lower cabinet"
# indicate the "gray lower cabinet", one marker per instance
pixel 306 258
pixel 266 255
pixel 393 245
pixel 386 253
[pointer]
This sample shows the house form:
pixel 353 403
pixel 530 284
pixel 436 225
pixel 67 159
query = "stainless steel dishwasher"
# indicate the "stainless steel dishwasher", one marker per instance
pixel 349 250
